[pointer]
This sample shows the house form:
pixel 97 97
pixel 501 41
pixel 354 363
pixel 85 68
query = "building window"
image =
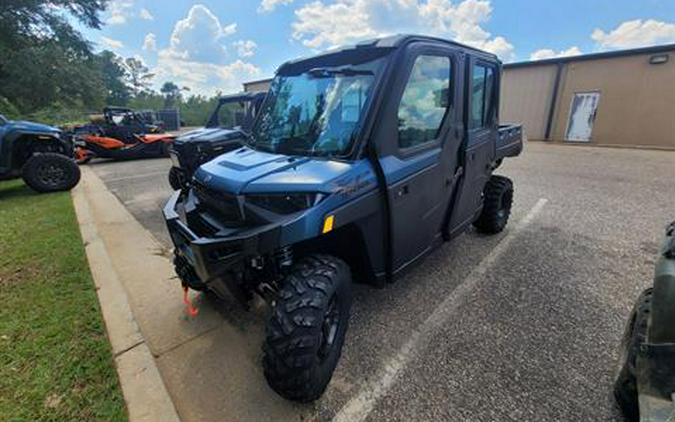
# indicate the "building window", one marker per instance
pixel 425 101
pixel 482 96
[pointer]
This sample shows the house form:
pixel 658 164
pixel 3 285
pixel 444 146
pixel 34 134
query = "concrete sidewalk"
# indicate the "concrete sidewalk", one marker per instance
pixel 148 327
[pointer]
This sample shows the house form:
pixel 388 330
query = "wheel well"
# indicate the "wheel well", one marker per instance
pixel 28 144
pixel 346 243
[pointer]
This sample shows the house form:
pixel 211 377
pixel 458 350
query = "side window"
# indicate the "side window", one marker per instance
pixel 425 101
pixel 482 96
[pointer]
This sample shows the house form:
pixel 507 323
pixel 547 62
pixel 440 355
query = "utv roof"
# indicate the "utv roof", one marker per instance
pixel 241 96
pixel 401 39
pixel 389 42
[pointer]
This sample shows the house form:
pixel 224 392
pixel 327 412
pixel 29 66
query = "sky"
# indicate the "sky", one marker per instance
pixel 215 45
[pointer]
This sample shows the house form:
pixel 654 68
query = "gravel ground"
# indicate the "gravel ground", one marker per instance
pixel 535 338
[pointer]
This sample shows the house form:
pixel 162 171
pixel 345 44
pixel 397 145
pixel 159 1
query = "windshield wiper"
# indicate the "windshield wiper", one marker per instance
pixel 328 72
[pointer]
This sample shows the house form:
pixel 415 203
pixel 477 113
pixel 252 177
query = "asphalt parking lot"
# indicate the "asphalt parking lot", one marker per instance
pixel 520 326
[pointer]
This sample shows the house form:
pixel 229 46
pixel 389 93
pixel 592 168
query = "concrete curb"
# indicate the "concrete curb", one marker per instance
pixel 146 396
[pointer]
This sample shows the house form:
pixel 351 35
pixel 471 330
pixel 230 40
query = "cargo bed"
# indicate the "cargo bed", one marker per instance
pixel 510 141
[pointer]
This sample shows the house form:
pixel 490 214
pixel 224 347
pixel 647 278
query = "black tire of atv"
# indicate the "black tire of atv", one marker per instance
pixel 50 172
pixel 304 337
pixel 625 385
pixel 175 179
pixel 496 205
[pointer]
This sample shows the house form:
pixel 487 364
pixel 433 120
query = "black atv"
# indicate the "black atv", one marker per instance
pixel 38 153
pixel 229 123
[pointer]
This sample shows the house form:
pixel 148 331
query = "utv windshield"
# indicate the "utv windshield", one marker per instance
pixel 315 113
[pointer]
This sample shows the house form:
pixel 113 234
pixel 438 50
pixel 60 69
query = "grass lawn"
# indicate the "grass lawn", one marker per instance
pixel 55 359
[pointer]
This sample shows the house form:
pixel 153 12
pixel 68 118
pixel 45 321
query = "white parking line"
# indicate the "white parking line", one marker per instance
pixel 360 406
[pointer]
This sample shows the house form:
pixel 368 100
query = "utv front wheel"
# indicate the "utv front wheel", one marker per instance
pixel 50 172
pixel 176 178
pixel 307 328
pixel 496 205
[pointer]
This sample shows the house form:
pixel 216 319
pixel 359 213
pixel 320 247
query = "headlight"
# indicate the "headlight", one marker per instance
pixel 286 203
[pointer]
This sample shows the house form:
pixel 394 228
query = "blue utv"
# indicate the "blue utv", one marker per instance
pixel 38 153
pixel 360 161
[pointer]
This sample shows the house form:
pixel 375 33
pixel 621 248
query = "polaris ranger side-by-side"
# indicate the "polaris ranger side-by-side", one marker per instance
pixel 221 134
pixel 360 161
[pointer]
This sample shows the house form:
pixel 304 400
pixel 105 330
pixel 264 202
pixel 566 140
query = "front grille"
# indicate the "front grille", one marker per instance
pixel 222 205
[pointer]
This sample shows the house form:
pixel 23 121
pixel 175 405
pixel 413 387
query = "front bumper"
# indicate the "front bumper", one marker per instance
pixel 219 257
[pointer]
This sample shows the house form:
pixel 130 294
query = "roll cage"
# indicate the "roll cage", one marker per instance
pixel 250 101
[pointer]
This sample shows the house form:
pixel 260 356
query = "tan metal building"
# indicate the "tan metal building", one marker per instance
pixel 618 98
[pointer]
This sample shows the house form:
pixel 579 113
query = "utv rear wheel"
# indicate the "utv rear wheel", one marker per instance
pixel 307 328
pixel 50 172
pixel 625 385
pixel 496 205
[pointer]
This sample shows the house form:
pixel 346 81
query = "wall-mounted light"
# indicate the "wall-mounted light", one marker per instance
pixel 659 59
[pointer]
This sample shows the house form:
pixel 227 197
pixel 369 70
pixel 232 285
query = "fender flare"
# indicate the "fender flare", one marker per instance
pixel 9 146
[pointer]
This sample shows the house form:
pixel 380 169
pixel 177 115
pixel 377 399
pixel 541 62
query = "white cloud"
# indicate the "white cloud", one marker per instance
pixel 119 10
pixel 245 48
pixel 150 42
pixel 111 43
pixel 322 24
pixel 146 15
pixel 269 5
pixel 198 36
pixel 547 53
pixel 206 78
pixel 636 33
pixel 197 57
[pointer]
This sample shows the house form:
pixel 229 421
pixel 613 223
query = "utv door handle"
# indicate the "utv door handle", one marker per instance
pixel 404 190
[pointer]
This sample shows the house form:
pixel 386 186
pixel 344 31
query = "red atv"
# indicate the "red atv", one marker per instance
pixel 143 146
pixel 120 134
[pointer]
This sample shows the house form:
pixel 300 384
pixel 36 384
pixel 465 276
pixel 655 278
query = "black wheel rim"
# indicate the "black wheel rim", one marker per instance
pixel 329 328
pixel 51 175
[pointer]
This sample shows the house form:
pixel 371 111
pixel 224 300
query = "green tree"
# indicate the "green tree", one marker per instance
pixel 137 75
pixel 45 60
pixel 113 74
pixel 172 94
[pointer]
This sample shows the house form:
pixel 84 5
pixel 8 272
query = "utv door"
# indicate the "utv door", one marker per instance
pixel 421 146
pixel 479 151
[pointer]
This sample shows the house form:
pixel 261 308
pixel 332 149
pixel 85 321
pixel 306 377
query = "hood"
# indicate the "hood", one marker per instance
pixel 32 126
pixel 209 135
pixel 245 170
